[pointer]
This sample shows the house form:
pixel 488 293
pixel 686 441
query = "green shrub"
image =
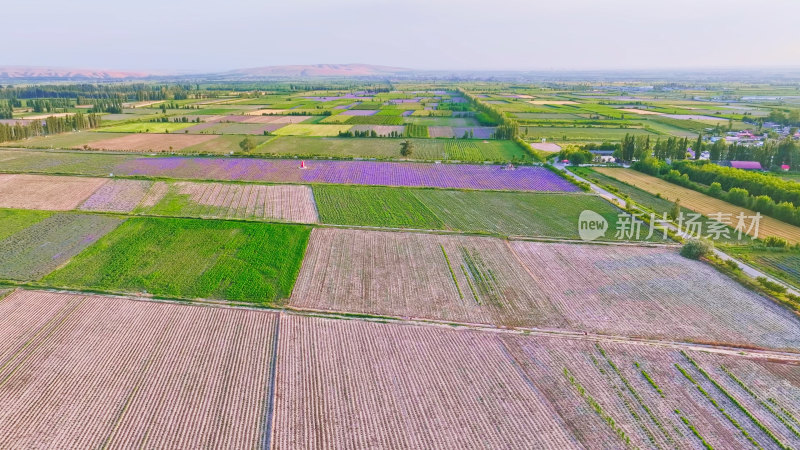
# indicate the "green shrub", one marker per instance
pixel 775 242
pixel 771 285
pixel 696 249
pixel 738 196
pixel 731 264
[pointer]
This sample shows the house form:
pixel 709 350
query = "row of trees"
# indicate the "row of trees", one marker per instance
pixel 51 125
pixel 639 148
pixel 728 178
pixel 771 154
pixel 765 204
pixel 85 92
pixel 6 111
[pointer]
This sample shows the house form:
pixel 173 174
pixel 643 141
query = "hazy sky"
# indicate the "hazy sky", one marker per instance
pixel 198 35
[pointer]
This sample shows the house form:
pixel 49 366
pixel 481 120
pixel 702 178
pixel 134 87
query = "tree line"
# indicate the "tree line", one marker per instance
pixel 50 125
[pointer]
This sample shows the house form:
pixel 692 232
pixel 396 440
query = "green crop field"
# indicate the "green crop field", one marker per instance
pixel 75 163
pixel 147 127
pixel 14 220
pixel 424 149
pixel 64 141
pixel 35 250
pixel 582 134
pixel 780 263
pixel 225 144
pixel 189 258
pixel 443 121
pixel 504 213
pixel 301 129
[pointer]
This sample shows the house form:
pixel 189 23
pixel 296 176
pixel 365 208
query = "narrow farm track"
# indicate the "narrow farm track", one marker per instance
pixel 732 350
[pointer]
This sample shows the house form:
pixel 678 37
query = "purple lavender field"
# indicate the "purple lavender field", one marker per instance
pixel 117 196
pixel 462 176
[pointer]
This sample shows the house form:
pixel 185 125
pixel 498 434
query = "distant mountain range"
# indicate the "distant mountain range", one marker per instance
pixel 55 73
pixel 295 71
pixel 21 74
pixel 319 70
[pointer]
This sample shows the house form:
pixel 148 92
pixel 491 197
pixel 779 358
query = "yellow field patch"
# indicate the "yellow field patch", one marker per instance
pixel 643 112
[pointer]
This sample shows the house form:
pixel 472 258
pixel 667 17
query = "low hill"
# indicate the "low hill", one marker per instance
pixel 319 70
pixel 33 72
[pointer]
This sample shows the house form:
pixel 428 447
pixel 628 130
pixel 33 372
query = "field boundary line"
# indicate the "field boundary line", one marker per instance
pixel 746 351
pixel 752 352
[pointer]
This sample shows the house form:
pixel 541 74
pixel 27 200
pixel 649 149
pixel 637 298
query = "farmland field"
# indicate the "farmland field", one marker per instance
pixel 191 258
pixel 456 278
pixel 74 163
pixel 223 144
pixel 151 142
pixel 131 373
pixel 581 134
pixel 287 171
pixel 702 203
pixel 117 196
pixel 506 213
pixel 404 383
pixel 653 292
pixel 311 130
pixel 780 263
pixel 425 149
pixel 146 127
pixel 617 290
pixel 462 176
pixel 34 251
pixel 246 378
pixel 406 387
pixel 237 201
pixel 611 394
pixel 65 140
pixel 14 220
pixel 46 192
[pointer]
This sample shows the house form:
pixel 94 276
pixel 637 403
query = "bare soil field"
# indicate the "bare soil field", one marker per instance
pixel 289 203
pixel 702 203
pixel 455 278
pixel 88 371
pixel 46 192
pixel 406 386
pixel 81 371
pixel 615 290
pixel 653 292
pixel 616 395
pixel 150 142
pixel 117 196
pixel 546 146
pixel 352 384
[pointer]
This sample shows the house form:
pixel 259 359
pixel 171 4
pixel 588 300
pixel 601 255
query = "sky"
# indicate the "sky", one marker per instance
pixel 213 36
